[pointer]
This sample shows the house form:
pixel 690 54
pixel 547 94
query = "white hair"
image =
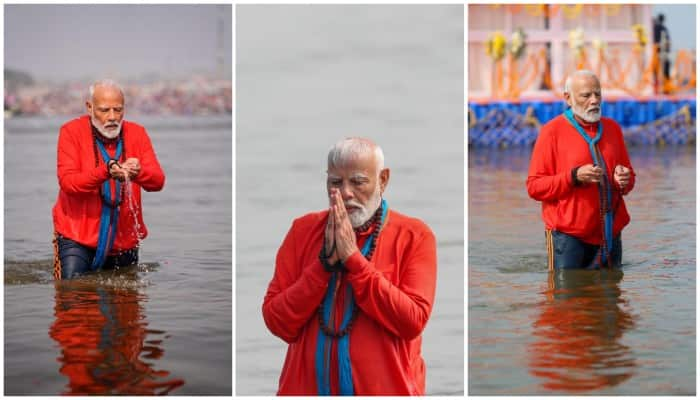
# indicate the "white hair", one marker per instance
pixel 350 149
pixel 580 72
pixel 103 82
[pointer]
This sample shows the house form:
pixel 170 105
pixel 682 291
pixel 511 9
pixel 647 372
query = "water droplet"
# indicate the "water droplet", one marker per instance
pixel 134 212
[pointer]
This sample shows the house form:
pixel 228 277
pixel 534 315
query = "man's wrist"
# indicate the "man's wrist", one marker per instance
pixel 354 262
pixel 110 163
pixel 328 265
pixel 574 177
pixel 344 259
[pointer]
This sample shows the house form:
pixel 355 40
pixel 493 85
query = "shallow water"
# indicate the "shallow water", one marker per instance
pixel 624 332
pixel 161 327
pixel 392 73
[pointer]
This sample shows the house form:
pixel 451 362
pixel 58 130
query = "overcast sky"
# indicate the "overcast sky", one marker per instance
pixel 127 41
pixel 122 41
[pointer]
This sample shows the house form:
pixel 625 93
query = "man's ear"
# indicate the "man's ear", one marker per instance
pixel 384 179
pixel 567 98
pixel 88 107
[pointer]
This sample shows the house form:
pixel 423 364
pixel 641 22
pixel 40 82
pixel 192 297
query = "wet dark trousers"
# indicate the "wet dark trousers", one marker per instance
pixel 76 258
pixel 568 252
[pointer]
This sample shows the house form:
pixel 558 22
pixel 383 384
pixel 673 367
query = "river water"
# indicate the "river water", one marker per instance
pixel 161 327
pixel 625 332
pixel 308 76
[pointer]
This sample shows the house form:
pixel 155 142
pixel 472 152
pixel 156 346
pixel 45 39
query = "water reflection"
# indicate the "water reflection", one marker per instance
pixel 578 332
pixel 106 346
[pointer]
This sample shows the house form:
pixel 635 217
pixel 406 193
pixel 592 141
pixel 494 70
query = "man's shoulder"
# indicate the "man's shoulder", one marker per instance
pixel 610 123
pixel 83 123
pixel 407 223
pixel 310 220
pixel 554 122
pixel 130 126
pixel 553 125
pixel 76 123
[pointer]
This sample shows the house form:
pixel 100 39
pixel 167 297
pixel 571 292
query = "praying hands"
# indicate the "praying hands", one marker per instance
pixel 339 235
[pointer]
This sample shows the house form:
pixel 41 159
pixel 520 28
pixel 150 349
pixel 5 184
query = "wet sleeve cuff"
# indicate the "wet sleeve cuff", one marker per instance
pixel 574 179
pixel 355 262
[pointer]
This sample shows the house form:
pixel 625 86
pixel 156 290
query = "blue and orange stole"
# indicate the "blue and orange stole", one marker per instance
pixel 604 187
pixel 110 210
pixel 324 343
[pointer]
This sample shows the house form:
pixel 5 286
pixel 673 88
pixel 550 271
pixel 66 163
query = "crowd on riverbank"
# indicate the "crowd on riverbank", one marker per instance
pixel 194 96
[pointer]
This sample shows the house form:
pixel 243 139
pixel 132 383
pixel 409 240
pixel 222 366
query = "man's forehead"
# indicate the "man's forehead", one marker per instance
pixel 347 173
pixel 587 82
pixel 108 94
pixel 361 162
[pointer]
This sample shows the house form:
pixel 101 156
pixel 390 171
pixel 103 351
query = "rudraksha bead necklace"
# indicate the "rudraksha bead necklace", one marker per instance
pixel 377 221
pixel 97 136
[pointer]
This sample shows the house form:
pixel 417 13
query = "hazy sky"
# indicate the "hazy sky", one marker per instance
pixel 680 21
pixel 126 41
pixel 121 41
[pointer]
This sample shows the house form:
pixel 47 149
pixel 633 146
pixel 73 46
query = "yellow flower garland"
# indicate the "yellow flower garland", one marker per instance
pixel 641 34
pixel 496 46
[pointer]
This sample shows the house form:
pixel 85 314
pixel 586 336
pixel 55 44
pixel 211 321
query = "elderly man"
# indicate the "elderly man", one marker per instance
pixel 102 160
pixel 353 287
pixel 580 170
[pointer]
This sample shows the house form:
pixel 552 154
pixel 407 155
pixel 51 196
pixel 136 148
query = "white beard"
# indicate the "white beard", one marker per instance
pixel 364 212
pixel 590 117
pixel 109 134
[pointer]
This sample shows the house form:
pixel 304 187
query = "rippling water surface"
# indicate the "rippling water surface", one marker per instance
pixel 162 327
pixel 630 331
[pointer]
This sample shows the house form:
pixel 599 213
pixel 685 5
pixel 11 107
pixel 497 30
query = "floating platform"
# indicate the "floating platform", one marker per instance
pixel 654 121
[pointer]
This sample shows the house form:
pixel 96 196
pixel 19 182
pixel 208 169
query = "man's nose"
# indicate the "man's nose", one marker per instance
pixel 111 115
pixel 346 192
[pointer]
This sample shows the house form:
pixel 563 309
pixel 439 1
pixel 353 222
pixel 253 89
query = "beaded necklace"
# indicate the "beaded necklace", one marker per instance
pixel 604 188
pixel 109 216
pixel 328 340
pixel 98 137
pixel 376 220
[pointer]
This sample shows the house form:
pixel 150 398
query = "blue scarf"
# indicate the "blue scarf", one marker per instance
pixel 603 185
pixel 110 211
pixel 323 357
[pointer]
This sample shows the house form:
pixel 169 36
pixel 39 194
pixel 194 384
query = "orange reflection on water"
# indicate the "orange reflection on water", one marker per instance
pixel 102 333
pixel 578 332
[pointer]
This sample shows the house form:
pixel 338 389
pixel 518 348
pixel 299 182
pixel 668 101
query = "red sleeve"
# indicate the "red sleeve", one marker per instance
pixel 543 181
pixel 151 176
pixel 294 293
pixel 70 177
pixel 625 160
pixel 402 309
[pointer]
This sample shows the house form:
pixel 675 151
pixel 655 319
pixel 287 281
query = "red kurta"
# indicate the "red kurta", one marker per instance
pixel 76 214
pixel 571 209
pixel 394 293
